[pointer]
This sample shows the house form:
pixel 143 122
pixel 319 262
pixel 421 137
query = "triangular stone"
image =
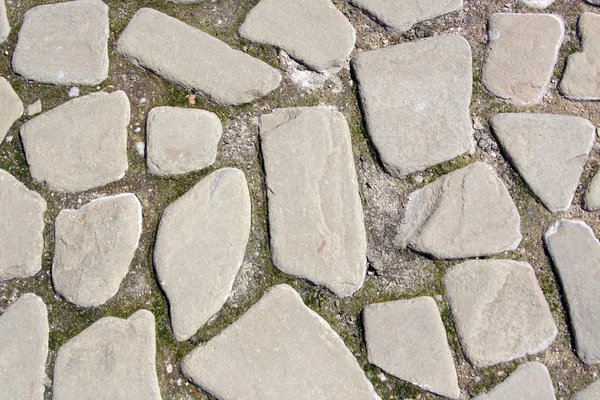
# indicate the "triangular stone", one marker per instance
pixel 531 381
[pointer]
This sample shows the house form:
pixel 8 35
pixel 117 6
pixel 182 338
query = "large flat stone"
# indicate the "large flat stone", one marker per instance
pixel 591 198
pixel 549 152
pixel 194 59
pixel 499 311
pixel 466 213
pixel 316 221
pixel 111 359
pixel 521 53
pixel 592 392
pixel 76 51
pixel 11 107
pixel 415 98
pixel 79 145
pixel 24 349
pixel 22 229
pixel 531 381
pixel 200 246
pixel 279 349
pixel 407 338
pixel 575 253
pixel 4 25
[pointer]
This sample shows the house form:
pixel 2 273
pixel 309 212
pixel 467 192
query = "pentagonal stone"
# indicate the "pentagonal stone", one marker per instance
pixel 76 53
pixel 279 349
pixel 549 152
pixel 466 213
pixel 521 53
pixel 200 246
pixel 181 140
pixel 540 4
pixel 591 198
pixel 94 246
pixel 22 229
pixel 315 212
pixel 592 392
pixel 4 25
pixel 499 310
pixel 415 99
pixel 11 107
pixel 79 145
pixel 531 381
pixel 113 357
pixel 575 252
pixel 198 61
pixel 311 31
pixel 407 338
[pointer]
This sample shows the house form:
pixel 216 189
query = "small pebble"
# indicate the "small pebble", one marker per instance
pixel 74 91
pixel 140 147
pixel 143 100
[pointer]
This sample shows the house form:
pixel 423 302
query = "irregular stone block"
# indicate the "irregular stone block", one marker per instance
pixel 194 59
pixel 11 107
pixel 79 145
pixel 592 392
pixel 415 98
pixel 279 349
pixel 4 25
pixel 466 213
pixel 540 4
pixel 200 246
pixel 531 381
pixel 316 221
pixel 591 198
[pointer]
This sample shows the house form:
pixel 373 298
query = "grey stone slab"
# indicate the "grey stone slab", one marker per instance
pixel 22 229
pixel 4 24
pixel 415 99
pixel 11 107
pixel 111 359
pixel 24 349
pixel 181 140
pixel 499 311
pixel 194 59
pixel 316 221
pixel 549 152
pixel 79 145
pixel 531 381
pixel 94 247
pixel 575 253
pixel 279 349
pixel 76 53
pixel 593 2
pixel 521 52
pixel 591 198
pixel 407 338
pixel 592 392
pixel 539 4
pixel 311 31
pixel 466 213
pixel 200 246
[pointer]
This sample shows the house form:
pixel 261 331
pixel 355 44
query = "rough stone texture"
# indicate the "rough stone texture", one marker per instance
pixel 549 152
pixel 415 99
pixel 4 25
pixel 401 15
pixel 591 198
pixel 198 61
pixel 311 31
pixel 279 349
pixel 94 247
pixel 79 145
pixel 181 140
pixel 540 4
pixel 466 213
pixel 499 311
pixel 575 252
pixel 592 392
pixel 521 53
pixel 200 246
pixel 24 349
pixel 11 107
pixel 531 381
pixel 76 53
pixel 316 220
pixel 407 338
pixel 113 357
pixel 22 229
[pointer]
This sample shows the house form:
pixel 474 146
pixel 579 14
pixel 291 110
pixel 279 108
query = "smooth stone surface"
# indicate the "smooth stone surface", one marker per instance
pixel 591 198
pixel 94 247
pixel 549 152
pixel 575 253
pixel 22 229
pixel 415 98
pixel 4 24
pixel 531 381
pixel 11 107
pixel 407 338
pixel 34 108
pixel 311 31
pixel 76 53
pixel 113 357
pixel 499 311
pixel 592 392
pixel 181 140
pixel 79 145
pixel 316 221
pixel 200 246
pixel 24 349
pixel 466 213
pixel 198 61
pixel 539 4
pixel 279 349
pixel 521 52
